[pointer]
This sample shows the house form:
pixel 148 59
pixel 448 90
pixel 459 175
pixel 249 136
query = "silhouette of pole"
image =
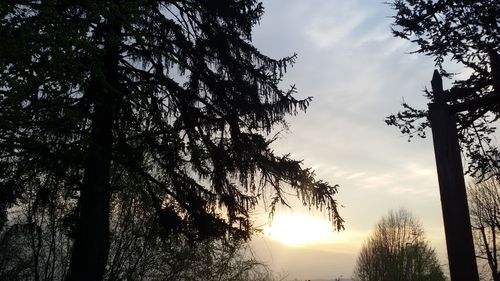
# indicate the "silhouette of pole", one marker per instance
pixel 459 242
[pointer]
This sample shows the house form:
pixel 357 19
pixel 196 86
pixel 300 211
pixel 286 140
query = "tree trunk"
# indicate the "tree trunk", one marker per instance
pixel 459 241
pixel 91 246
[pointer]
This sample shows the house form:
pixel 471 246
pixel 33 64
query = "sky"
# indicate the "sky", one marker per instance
pixel 358 74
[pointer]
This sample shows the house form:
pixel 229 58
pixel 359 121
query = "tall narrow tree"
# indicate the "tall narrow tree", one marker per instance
pixel 170 95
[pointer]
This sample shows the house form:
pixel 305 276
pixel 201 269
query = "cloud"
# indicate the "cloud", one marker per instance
pixel 334 23
pixel 355 175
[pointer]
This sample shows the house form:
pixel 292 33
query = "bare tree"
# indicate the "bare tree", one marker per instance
pixel 140 250
pixel 484 201
pixel 397 250
pixel 35 246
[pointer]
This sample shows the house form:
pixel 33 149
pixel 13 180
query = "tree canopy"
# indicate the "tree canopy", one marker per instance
pixel 168 99
pixel 464 32
pixel 397 250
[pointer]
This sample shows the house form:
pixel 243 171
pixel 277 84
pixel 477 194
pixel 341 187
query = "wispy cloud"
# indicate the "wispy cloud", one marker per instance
pixel 334 23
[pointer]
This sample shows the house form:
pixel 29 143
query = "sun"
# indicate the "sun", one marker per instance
pixel 297 229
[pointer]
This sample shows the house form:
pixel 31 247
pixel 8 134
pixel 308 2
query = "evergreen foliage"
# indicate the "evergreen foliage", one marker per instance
pixel 168 99
pixel 467 33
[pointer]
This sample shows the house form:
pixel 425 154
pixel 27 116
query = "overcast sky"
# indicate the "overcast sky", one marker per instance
pixel 358 74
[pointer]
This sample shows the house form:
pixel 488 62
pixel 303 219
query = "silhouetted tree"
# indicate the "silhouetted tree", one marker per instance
pixel 169 95
pixel 35 247
pixel 465 32
pixel 484 204
pixel 34 244
pixel 397 250
pixel 139 251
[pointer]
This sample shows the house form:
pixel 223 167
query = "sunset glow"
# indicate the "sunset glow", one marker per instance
pixel 296 229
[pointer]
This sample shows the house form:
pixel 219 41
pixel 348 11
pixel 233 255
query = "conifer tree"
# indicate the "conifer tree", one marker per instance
pixel 169 98
pixel 466 33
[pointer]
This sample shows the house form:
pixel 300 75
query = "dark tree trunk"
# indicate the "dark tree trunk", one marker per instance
pixel 459 241
pixel 90 250
pixel 91 246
